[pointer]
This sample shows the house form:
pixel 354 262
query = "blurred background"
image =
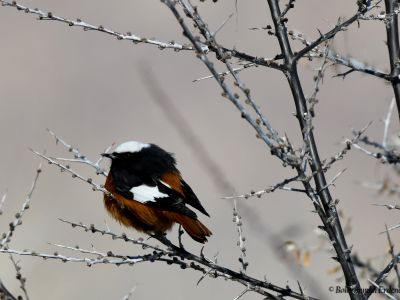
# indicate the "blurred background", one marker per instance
pixel 94 90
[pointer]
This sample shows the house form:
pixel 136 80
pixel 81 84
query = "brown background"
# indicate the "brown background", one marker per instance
pixel 88 88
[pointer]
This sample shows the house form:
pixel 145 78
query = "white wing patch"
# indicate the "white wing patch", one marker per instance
pixel 166 184
pixel 145 193
pixel 131 146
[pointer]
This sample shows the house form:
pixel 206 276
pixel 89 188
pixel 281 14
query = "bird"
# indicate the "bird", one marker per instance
pixel 146 191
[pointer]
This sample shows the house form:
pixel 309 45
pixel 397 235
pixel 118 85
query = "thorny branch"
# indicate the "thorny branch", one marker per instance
pixel 386 152
pixel 328 213
pixel 279 146
pixel 331 34
pixel 392 32
pixel 337 59
pixel 318 81
pixel 391 251
pixel 183 126
pixel 171 255
pixel 43 16
pixel 371 270
pixel 382 276
pixel 286 154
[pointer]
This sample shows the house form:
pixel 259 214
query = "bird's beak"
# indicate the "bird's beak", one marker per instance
pixel 108 155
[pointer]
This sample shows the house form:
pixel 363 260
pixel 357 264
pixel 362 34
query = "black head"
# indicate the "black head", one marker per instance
pixel 136 157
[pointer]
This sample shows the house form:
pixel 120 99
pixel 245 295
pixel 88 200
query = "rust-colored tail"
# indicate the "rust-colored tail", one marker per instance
pixel 193 227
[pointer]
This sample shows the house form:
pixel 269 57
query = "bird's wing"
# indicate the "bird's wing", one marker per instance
pixel 192 199
pixel 153 192
pixel 175 181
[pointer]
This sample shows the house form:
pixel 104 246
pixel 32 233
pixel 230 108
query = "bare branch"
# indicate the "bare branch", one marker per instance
pixel 67 168
pixel 332 181
pixel 391 251
pixel 114 236
pixel 245 66
pixel 79 157
pixel 378 287
pixel 338 59
pixel 288 7
pixel 387 123
pixel 6 238
pixel 128 296
pixel 330 34
pixel 86 260
pixel 3 199
pixel 268 137
pixel 280 185
pixel 242 293
pixel 388 206
pixel 346 148
pixel 382 276
pixel 42 15
pixel 392 32
pixel 21 279
pixel 222 25
pixel 5 293
pixel 327 210
pixel 318 80
pixel 237 219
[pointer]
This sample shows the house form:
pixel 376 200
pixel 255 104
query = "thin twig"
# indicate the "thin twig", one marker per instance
pixel 242 293
pixel 391 251
pixel 18 216
pixel 388 206
pixel 237 219
pixel 280 185
pixel 128 296
pixel 3 199
pixel 382 276
pixel 21 279
pixel 330 34
pixel 348 143
pixel 386 122
pixel 379 288
pixel 245 66
pixel 5 293
pixel 52 161
pixel 42 15
pixel 78 156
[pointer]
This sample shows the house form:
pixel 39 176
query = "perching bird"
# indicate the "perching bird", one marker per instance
pixel 148 192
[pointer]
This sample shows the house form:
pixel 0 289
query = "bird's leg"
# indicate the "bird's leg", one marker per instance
pixel 180 233
pixel 160 236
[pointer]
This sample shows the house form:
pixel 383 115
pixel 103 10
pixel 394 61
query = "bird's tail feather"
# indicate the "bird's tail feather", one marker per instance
pixel 197 230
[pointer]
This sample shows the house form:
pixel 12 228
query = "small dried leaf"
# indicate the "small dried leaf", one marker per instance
pixel 306 258
pixel 334 270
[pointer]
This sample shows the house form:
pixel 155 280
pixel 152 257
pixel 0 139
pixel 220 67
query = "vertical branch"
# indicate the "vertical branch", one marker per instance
pixel 21 279
pixel 329 216
pixel 386 123
pixel 392 32
pixel 237 219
